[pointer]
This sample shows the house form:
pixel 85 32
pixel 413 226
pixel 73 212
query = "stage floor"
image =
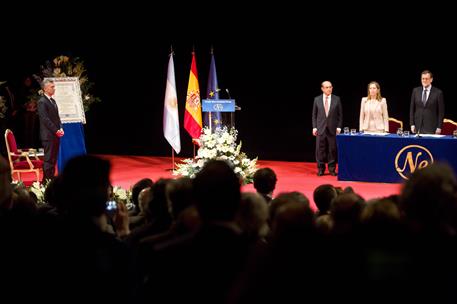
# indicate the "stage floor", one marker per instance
pixel 292 176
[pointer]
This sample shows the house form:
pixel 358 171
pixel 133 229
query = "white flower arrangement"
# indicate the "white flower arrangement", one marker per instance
pixel 122 195
pixel 220 145
pixel 38 189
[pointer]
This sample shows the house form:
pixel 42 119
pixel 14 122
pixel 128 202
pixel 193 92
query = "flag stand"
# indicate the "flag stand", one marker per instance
pixel 172 161
pixel 193 143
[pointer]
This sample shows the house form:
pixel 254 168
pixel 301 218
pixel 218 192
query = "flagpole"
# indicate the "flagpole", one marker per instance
pixel 172 150
pixel 210 122
pixel 170 114
pixel 173 160
pixel 210 115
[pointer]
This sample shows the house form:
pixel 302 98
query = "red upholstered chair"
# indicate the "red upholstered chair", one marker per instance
pixel 449 126
pixel 394 124
pixel 21 161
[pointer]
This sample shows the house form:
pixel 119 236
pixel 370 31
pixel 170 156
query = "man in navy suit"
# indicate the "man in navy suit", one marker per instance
pixel 427 107
pixel 327 122
pixel 50 128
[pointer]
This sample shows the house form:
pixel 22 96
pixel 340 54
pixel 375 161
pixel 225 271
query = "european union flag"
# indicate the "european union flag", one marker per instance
pixel 212 92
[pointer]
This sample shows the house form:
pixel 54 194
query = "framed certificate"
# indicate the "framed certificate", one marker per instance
pixel 69 100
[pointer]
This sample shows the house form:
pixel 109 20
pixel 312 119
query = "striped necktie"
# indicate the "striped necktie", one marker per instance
pixel 424 96
pixel 326 105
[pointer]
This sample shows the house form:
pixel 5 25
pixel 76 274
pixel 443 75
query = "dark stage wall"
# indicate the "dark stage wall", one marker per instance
pixel 272 62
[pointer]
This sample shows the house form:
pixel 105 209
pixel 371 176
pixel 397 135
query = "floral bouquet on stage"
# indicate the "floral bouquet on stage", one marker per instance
pixel 64 66
pixel 220 145
pixel 121 195
pixel 38 189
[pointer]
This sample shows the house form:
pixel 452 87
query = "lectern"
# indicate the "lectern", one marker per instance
pixel 221 112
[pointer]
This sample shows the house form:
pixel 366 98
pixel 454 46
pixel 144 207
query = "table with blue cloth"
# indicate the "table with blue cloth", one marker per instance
pixel 390 158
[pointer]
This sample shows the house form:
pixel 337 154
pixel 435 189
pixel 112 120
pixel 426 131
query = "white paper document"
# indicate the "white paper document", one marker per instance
pixel 375 133
pixel 431 135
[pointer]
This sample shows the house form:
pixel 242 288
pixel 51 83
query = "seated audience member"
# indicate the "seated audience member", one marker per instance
pixel 91 261
pixel 345 211
pixel 429 201
pixel 265 182
pixel 252 216
pixel 283 198
pixel 215 253
pixel 136 189
pixel 143 199
pixel 323 196
pixel 157 217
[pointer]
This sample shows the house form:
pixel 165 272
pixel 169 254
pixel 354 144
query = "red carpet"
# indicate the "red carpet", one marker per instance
pixel 292 176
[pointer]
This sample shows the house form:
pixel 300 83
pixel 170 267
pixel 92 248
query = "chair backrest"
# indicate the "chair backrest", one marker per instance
pixel 394 124
pixel 449 126
pixel 11 145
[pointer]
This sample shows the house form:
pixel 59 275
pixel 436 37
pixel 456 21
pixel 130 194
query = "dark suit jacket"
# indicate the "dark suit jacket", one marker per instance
pixel 49 119
pixel 335 115
pixel 426 118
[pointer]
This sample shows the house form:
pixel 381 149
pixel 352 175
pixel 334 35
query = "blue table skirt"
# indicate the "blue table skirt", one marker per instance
pixel 390 158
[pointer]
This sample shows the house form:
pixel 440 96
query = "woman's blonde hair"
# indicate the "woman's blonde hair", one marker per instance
pixel 378 95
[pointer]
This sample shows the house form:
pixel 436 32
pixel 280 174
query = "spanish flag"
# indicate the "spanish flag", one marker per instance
pixel 193 113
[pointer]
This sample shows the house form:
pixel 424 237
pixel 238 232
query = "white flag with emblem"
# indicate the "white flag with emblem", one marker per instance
pixel 170 110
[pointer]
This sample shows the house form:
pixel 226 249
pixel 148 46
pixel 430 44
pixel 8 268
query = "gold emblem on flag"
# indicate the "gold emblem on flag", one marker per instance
pixel 173 102
pixel 193 99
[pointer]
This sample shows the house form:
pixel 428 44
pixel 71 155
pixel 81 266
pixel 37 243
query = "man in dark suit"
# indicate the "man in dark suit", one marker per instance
pixel 427 107
pixel 50 128
pixel 327 122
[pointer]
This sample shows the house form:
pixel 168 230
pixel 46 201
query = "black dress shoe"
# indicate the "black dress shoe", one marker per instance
pixel 333 173
pixel 320 173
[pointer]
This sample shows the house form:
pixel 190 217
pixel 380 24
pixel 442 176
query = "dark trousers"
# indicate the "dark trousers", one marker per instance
pixel 51 150
pixel 326 151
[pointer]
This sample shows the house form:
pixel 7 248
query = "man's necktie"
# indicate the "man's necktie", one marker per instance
pixel 326 105
pixel 54 102
pixel 424 96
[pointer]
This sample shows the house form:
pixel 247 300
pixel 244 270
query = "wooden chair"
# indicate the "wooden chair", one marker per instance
pixel 449 126
pixel 394 124
pixel 21 160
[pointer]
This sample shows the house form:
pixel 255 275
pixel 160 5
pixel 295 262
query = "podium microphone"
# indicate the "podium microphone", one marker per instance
pixel 230 97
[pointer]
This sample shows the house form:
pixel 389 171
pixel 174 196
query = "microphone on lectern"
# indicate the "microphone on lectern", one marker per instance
pixel 230 97
pixel 228 93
